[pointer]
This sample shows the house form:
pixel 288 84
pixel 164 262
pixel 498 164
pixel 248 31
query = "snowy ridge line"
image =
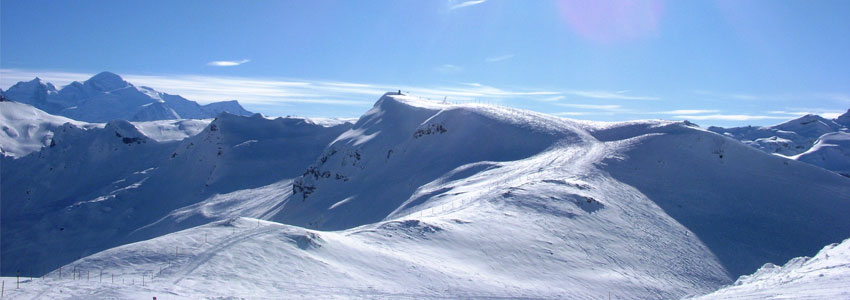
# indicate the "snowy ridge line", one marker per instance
pixel 511 204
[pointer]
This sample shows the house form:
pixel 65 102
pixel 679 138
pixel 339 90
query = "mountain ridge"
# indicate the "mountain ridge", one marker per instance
pixel 106 96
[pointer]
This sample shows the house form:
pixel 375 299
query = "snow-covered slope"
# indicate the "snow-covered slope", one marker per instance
pixel 27 129
pixel 172 130
pixel 154 111
pixel 426 200
pixel 746 207
pixel 844 119
pixel 106 96
pixel 824 276
pixel 94 188
pixel 232 107
pixel 831 152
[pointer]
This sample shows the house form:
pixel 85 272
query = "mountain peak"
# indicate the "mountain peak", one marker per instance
pixel 844 119
pixel 107 81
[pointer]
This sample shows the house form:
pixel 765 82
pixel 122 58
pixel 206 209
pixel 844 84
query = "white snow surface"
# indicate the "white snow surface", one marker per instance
pixel 27 129
pixel 831 152
pixel 172 130
pixel 423 200
pixel 824 276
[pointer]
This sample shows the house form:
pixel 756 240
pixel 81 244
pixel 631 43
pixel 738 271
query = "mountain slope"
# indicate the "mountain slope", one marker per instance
pixel 823 276
pixel 745 206
pixel 71 196
pixel 426 200
pixel 106 96
pixel 713 178
pixel 831 152
pixel 27 129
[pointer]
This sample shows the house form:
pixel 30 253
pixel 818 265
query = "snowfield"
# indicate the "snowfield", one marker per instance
pixel 824 276
pixel 416 200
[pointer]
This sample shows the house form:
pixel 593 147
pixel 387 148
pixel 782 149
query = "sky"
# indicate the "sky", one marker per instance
pixel 726 63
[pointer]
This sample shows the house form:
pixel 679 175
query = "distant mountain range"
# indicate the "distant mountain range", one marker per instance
pixel 106 97
pixel 811 138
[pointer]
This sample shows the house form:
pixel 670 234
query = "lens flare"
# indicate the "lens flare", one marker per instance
pixel 612 21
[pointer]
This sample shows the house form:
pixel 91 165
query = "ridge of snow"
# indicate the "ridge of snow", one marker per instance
pixel 823 276
pixel 106 96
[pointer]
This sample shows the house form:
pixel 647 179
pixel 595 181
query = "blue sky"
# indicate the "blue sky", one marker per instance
pixel 712 62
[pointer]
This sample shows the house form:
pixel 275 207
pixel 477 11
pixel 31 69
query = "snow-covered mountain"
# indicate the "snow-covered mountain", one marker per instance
pixel 27 129
pixel 417 199
pixel 789 138
pixel 824 276
pixel 106 96
pixel 810 138
pixel 70 196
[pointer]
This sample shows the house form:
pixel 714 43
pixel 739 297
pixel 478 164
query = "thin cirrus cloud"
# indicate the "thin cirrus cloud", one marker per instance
pixel 466 4
pixel 729 117
pixel 619 95
pixel 499 58
pixel 604 107
pixel 227 63
pixel 448 68
pixel 689 111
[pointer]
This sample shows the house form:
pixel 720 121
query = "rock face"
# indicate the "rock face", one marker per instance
pixel 106 96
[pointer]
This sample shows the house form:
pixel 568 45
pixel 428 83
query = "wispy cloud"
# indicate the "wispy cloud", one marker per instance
pixel 573 113
pixel 499 58
pixel 619 95
pixel 688 111
pixel 605 107
pixel 448 68
pixel 805 96
pixel 227 63
pixel 553 98
pixel 466 4
pixel 729 117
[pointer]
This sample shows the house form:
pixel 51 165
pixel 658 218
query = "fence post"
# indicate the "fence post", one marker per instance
pixel 18 276
pixel 3 289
